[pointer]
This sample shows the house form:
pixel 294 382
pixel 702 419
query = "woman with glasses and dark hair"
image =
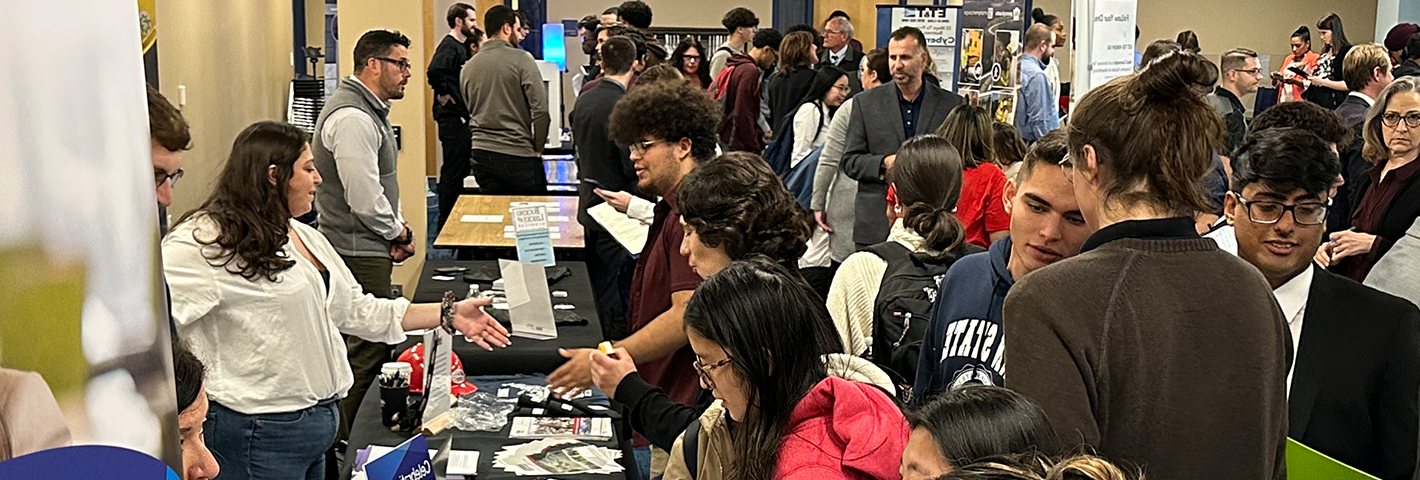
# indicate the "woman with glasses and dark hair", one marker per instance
pixel 689 59
pixel 1326 87
pixel 1152 327
pixel 263 300
pixel 783 408
pixel 1387 199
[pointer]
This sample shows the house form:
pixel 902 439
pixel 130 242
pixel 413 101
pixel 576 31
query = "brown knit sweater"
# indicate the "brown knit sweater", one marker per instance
pixel 1165 354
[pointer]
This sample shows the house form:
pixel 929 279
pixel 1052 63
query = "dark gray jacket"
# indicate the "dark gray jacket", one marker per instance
pixel 874 132
pixel 503 89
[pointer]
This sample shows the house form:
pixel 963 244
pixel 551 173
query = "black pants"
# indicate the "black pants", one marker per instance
pixel 365 357
pixel 820 278
pixel 500 174
pixel 458 145
pixel 611 268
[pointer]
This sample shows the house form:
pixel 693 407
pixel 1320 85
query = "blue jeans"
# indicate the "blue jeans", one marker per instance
pixel 274 445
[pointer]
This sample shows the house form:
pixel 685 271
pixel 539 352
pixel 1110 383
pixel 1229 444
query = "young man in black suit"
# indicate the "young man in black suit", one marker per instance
pixel 883 118
pixel 603 164
pixel 1355 379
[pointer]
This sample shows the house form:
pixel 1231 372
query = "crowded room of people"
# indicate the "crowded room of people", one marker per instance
pixel 674 239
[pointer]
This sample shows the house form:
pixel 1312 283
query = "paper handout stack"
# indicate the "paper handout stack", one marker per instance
pixel 553 456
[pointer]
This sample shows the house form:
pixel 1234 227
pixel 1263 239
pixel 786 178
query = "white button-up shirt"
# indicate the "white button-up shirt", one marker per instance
pixel 1292 297
pixel 272 347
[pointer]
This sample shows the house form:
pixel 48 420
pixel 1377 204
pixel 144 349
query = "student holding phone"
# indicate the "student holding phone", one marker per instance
pixel 1291 78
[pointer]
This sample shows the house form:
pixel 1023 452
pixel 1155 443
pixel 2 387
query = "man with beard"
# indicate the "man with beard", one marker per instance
pixel 449 110
pixel 355 153
pixel 508 103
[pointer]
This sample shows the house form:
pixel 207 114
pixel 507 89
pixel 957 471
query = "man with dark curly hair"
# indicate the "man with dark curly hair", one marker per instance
pixel 670 128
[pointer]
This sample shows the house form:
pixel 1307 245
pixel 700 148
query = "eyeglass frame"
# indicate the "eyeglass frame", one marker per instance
pixel 640 148
pixel 161 176
pixel 1398 118
pixel 704 370
pixel 1247 207
pixel 1256 72
pixel 1067 168
pixel 404 65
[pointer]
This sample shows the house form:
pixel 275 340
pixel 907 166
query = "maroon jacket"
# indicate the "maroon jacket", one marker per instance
pixel 741 105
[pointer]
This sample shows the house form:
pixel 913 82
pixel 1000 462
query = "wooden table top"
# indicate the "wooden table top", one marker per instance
pixel 483 221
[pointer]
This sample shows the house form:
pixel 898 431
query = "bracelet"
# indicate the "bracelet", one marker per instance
pixel 447 311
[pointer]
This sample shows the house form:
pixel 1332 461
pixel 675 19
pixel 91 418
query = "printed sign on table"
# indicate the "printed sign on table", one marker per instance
pixel 533 235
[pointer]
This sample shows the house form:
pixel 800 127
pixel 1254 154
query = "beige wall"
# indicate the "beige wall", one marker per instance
pixel 234 59
pixel 408 113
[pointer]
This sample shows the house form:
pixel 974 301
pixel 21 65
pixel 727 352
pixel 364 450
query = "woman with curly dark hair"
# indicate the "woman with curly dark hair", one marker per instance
pixel 263 300
pixel 734 206
pixel 689 59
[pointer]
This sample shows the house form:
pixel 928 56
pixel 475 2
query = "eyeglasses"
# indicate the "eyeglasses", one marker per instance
pixel 640 148
pixel 704 371
pixel 1392 119
pixel 844 88
pixel 1252 71
pixel 690 57
pixel 160 176
pixel 403 65
pixel 1271 212
pixel 1067 168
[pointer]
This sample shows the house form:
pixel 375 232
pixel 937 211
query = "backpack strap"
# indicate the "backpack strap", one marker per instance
pixel 690 448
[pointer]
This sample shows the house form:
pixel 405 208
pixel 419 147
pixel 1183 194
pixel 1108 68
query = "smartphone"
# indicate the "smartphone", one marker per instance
pixel 1298 71
pixel 594 183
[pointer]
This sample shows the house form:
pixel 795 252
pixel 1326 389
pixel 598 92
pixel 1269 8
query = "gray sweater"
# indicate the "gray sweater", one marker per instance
pixel 355 153
pixel 506 99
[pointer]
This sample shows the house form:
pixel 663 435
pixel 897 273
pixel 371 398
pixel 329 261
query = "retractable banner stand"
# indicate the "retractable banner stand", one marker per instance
pixel 938 25
pixel 991 36
pixel 84 346
pixel 1104 48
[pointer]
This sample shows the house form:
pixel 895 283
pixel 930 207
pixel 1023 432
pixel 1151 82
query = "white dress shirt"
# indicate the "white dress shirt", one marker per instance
pixel 1292 297
pixel 272 347
pixel 1226 238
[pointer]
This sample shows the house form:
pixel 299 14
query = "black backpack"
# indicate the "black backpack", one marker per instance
pixel 902 312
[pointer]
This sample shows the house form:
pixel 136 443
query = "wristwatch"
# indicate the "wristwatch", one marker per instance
pixel 408 238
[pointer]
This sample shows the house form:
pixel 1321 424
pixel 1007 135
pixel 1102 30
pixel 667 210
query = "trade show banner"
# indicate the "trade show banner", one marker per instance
pixel 1111 40
pixel 938 25
pixel 84 345
pixel 991 35
pixel 975 47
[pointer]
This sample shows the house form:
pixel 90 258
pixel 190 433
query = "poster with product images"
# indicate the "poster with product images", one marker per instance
pixel 992 31
pixel 84 336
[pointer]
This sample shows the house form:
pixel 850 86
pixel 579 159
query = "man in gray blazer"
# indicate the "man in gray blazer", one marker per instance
pixel 882 119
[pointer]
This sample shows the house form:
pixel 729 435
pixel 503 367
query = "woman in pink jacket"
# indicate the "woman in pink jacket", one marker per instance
pixel 760 338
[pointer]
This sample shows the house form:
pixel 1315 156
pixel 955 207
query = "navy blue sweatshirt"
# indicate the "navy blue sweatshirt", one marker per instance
pixel 965 342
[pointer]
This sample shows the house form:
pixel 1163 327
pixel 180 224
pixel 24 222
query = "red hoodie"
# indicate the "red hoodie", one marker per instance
pixel 843 429
pixel 741 112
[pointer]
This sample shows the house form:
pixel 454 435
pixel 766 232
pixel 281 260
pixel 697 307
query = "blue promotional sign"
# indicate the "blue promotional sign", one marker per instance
pixel 408 461
pixel 533 235
pixel 86 462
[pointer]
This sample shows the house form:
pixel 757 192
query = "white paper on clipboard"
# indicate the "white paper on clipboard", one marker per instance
pixel 630 233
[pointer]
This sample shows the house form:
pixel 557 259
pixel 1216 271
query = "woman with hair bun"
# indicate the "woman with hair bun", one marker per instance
pixel 1052 69
pixel 923 187
pixel 1152 346
pixel 1289 84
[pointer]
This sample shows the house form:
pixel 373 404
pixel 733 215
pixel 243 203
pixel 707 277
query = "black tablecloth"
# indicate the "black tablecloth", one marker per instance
pixel 525 356
pixel 367 430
